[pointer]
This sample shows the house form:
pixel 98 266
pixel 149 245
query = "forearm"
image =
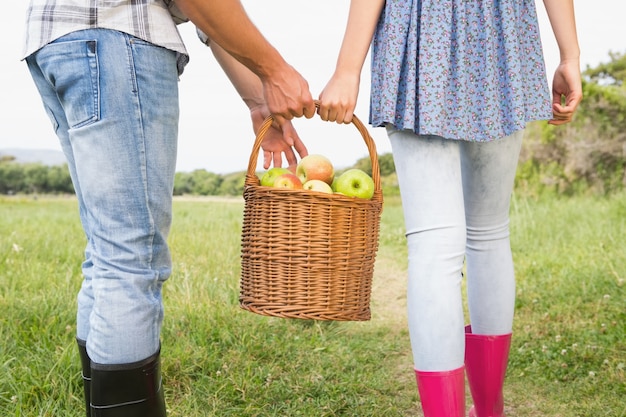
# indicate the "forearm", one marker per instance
pixel 247 84
pixel 227 23
pixel 563 22
pixel 362 20
pixel 338 99
pixel 281 139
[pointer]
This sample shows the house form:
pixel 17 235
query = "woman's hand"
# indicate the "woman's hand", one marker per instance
pixel 338 99
pixel 281 138
pixel 566 92
pixel 566 85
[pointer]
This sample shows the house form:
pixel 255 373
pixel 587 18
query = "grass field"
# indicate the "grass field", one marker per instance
pixel 567 359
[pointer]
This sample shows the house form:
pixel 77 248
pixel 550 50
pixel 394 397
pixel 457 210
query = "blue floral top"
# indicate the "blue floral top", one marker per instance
pixel 461 69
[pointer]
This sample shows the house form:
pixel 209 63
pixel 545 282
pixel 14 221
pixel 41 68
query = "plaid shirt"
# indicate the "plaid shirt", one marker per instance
pixel 151 20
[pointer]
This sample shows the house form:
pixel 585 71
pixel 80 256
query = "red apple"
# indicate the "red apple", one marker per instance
pixel 315 167
pixel 270 176
pixel 317 185
pixel 288 180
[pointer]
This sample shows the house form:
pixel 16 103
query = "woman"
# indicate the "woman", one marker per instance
pixel 455 84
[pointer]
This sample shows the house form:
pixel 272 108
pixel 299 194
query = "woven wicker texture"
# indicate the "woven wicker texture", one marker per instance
pixel 305 254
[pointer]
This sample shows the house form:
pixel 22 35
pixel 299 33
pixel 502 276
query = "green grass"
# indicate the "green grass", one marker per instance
pixel 567 359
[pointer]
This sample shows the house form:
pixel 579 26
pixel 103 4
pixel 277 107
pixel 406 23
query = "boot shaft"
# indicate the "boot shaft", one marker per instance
pixel 128 390
pixel 85 373
pixel 442 394
pixel 486 360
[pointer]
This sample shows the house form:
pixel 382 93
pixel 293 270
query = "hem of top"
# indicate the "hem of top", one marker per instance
pixel 182 52
pixel 485 138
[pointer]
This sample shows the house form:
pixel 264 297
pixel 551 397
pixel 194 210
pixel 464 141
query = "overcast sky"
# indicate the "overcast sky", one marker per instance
pixel 215 132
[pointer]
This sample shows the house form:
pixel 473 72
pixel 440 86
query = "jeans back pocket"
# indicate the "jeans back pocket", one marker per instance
pixel 71 68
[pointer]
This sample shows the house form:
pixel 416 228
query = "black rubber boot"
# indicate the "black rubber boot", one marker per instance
pixel 128 390
pixel 86 373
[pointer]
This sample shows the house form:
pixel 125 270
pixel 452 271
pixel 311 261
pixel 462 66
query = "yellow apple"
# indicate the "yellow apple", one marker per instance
pixel 317 185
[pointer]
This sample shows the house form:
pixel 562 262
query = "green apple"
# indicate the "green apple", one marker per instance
pixel 271 174
pixel 317 185
pixel 288 180
pixel 355 183
pixel 315 167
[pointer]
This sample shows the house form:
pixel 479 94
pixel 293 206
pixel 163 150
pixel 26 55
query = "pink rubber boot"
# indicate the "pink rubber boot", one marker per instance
pixel 442 393
pixel 486 359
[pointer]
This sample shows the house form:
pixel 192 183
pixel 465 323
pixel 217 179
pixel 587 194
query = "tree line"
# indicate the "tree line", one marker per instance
pixel 585 156
pixel 36 178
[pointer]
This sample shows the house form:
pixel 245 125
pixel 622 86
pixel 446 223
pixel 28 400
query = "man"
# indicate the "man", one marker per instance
pixel 107 73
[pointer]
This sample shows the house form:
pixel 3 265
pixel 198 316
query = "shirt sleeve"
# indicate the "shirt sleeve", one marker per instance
pixel 203 37
pixel 178 16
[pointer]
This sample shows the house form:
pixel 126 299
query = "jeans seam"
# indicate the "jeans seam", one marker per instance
pixel 144 174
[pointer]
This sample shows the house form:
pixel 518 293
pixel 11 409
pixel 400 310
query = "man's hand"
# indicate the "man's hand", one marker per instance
pixel 287 94
pixel 281 138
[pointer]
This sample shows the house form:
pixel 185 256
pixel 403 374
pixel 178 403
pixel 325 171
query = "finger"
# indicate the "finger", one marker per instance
pixel 283 116
pixel 267 159
pixel 278 161
pixel 562 113
pixel 284 126
pixel 291 157
pixel 569 108
pixel 309 107
pixel 574 100
pixel 298 144
pixel 558 122
pixel 560 118
pixel 323 113
pixel 347 118
pixel 289 132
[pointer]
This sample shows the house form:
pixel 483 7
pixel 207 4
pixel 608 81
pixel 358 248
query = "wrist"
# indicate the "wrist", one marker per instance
pixel 254 103
pixel 270 65
pixel 570 59
pixel 347 74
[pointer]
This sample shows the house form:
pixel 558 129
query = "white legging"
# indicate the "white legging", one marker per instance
pixel 455 197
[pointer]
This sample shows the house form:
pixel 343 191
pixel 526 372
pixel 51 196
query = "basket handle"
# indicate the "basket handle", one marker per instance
pixel 252 179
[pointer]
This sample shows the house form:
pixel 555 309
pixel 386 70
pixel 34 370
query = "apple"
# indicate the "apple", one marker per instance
pixel 333 185
pixel 315 167
pixel 317 185
pixel 288 180
pixel 355 183
pixel 271 174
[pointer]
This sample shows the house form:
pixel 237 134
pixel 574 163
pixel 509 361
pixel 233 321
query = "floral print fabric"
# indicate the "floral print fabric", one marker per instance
pixel 461 69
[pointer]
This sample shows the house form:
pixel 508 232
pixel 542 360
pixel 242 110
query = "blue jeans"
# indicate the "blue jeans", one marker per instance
pixel 455 198
pixel 113 102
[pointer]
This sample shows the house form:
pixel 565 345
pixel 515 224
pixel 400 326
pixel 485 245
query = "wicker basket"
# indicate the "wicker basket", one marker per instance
pixel 308 255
